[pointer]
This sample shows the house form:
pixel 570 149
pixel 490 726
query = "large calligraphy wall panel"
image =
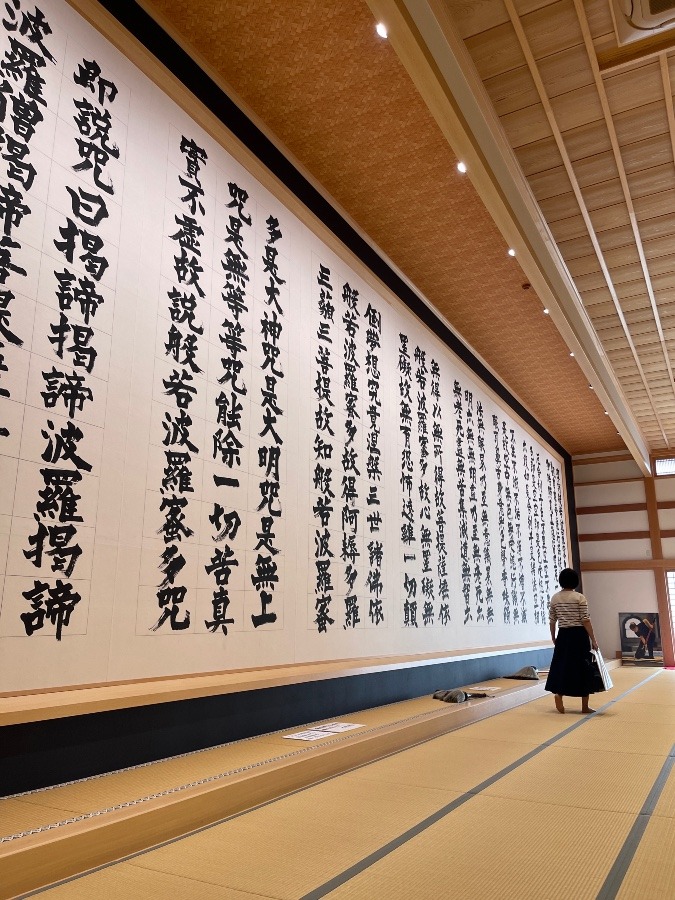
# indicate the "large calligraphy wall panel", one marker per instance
pixel 222 445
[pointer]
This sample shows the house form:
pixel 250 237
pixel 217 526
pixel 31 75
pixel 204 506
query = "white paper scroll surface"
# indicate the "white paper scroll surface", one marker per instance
pixel 220 447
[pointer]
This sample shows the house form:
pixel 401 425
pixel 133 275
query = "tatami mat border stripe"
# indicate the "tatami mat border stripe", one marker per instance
pixel 402 839
pixel 335 882
pixel 617 873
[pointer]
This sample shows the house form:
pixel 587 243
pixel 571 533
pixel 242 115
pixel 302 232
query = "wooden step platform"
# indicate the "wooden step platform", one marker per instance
pixel 21 706
pixel 46 736
pixel 51 834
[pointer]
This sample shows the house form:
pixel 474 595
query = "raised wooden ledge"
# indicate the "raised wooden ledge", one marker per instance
pixel 37 860
pixel 17 708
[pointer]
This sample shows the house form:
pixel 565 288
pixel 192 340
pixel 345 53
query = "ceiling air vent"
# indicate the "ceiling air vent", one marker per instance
pixel 635 20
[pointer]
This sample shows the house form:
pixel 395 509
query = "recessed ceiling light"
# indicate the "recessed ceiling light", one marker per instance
pixel 461 167
pixel 512 252
pixel 606 413
pixel 590 386
pixel 381 29
pixel 545 311
pixel 571 354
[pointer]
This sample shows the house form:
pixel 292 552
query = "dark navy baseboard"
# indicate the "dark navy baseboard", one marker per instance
pixel 41 754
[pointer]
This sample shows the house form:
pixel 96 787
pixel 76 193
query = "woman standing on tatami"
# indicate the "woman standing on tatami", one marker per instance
pixel 571 672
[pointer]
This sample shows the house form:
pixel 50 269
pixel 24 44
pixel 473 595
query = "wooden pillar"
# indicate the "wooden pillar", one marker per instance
pixel 660 577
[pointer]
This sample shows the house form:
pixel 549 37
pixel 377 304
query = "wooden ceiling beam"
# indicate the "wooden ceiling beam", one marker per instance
pixel 426 41
pixel 585 215
pixel 616 149
pixel 637 51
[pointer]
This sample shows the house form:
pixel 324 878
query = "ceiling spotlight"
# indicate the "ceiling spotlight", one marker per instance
pixel 571 354
pixel 512 252
pixel 606 413
pixel 545 311
pixel 461 167
pixel 381 29
pixel 590 386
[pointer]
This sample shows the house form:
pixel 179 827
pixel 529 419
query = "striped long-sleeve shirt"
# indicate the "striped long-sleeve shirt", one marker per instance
pixel 569 609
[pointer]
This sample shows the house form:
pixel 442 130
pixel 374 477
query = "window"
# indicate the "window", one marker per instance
pixel 664 466
pixel 671 589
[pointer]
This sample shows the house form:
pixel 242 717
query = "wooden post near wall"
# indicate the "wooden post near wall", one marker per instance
pixel 660 577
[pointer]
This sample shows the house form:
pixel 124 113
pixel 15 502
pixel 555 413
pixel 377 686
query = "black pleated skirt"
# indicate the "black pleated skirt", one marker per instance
pixel 571 672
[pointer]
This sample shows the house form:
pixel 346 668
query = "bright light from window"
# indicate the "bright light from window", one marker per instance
pixel 381 29
pixel 671 588
pixel 664 466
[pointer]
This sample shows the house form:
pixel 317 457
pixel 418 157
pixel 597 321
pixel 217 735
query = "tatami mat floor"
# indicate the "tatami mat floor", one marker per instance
pixel 444 819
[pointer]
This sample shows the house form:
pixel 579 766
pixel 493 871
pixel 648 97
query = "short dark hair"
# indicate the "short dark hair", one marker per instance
pixel 568 579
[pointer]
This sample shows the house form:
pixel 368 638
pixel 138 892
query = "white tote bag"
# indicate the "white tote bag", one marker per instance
pixel 604 672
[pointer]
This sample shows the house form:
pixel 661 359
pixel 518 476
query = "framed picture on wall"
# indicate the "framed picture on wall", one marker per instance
pixel 640 639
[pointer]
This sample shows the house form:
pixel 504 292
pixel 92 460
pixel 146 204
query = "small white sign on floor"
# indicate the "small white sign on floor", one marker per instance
pixel 321 731
pixel 335 727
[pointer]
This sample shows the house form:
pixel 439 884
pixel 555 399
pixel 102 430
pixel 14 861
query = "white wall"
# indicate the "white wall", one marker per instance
pixel 612 592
